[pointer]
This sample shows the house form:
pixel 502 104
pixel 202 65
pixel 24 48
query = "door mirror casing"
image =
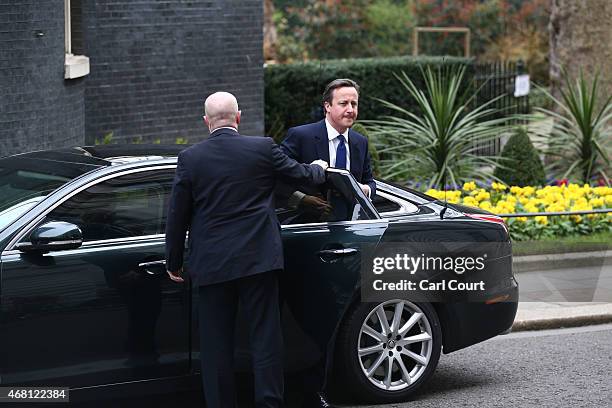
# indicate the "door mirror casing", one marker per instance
pixel 53 236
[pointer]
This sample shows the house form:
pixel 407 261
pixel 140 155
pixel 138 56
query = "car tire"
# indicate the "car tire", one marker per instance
pixel 411 343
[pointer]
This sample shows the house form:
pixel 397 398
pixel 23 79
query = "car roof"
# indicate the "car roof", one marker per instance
pixel 106 155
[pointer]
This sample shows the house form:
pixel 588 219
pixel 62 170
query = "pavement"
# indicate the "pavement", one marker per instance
pixel 563 290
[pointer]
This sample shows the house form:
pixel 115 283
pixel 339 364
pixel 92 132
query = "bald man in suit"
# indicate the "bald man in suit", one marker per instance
pixel 223 194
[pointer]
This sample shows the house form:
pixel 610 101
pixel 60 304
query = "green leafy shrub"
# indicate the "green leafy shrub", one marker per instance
pixel 293 91
pixel 580 138
pixel 520 164
pixel 109 139
pixel 313 29
pixel 435 142
pixel 106 139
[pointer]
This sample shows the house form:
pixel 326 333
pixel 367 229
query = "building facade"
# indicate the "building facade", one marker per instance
pixel 75 71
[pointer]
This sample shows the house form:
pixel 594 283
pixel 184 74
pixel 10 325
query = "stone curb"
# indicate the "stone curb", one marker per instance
pixel 554 315
pixel 560 322
pixel 561 261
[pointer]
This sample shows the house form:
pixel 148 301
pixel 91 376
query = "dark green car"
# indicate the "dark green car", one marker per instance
pixel 86 302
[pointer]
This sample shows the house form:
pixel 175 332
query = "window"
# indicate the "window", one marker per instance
pixel 384 205
pixel 123 207
pixel 339 192
pixel 26 181
pixel 389 205
pixel 76 66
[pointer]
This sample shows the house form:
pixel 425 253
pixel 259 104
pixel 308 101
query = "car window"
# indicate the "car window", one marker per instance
pixel 26 181
pixel 390 205
pixel 341 202
pixel 127 206
pixel 384 205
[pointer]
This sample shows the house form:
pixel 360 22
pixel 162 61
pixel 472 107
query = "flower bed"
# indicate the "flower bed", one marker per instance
pixel 501 199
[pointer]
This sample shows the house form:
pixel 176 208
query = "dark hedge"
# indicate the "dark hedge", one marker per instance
pixel 293 91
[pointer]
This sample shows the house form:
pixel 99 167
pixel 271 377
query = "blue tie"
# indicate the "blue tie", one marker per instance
pixel 341 153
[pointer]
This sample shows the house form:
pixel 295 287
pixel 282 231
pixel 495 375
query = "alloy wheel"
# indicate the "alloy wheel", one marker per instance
pixel 395 345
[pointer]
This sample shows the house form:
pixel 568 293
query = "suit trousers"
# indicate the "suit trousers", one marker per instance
pixel 218 306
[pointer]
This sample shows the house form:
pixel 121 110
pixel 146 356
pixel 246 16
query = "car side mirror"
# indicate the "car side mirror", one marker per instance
pixel 53 236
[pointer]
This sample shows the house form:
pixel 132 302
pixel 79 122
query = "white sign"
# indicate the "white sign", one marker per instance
pixel 521 85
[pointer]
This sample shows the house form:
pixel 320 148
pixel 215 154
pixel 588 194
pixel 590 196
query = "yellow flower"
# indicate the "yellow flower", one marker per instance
pixel 521 219
pixel 555 208
pixel 581 207
pixel 451 195
pixel 471 201
pixel 434 193
pixel 541 219
pixel 602 191
pixel 608 199
pixel 582 202
pixel 504 207
pixel 469 186
pixel 516 190
pixel 498 186
pixel 482 195
pixel 597 202
pixel 486 205
pixel 576 218
pixel 528 191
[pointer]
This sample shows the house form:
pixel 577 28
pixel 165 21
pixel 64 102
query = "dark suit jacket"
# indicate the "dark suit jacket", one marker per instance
pixel 223 193
pixel 309 142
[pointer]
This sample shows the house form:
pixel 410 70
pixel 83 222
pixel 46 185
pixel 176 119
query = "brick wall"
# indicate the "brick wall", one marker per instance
pixel 153 62
pixel 38 108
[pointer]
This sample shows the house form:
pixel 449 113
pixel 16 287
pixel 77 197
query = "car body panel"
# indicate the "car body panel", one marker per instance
pixel 96 312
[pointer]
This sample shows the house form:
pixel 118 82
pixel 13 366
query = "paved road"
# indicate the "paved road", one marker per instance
pixel 553 368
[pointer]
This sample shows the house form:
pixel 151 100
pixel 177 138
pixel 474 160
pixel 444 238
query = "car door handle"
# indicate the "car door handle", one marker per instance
pixel 153 264
pixel 332 255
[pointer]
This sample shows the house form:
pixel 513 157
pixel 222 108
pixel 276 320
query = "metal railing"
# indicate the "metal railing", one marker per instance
pixel 556 213
pixel 497 80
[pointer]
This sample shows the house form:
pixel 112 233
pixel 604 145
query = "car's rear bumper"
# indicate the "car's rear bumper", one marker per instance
pixel 467 323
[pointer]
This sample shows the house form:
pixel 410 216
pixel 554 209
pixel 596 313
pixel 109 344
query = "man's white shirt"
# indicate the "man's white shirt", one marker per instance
pixel 334 141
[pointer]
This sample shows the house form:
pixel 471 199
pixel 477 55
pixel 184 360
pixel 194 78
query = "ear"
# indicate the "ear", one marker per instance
pixel 238 115
pixel 326 107
pixel 206 121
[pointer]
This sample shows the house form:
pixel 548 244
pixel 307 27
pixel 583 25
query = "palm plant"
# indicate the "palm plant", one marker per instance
pixel 439 143
pixel 580 137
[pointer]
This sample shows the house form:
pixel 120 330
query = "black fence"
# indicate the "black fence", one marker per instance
pixel 497 80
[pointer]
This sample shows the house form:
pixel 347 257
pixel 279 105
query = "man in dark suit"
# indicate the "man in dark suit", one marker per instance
pixel 333 140
pixel 223 193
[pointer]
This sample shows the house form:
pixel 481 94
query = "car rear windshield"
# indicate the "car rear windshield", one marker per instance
pixel 26 181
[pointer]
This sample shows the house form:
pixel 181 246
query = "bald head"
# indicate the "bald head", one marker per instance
pixel 221 109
